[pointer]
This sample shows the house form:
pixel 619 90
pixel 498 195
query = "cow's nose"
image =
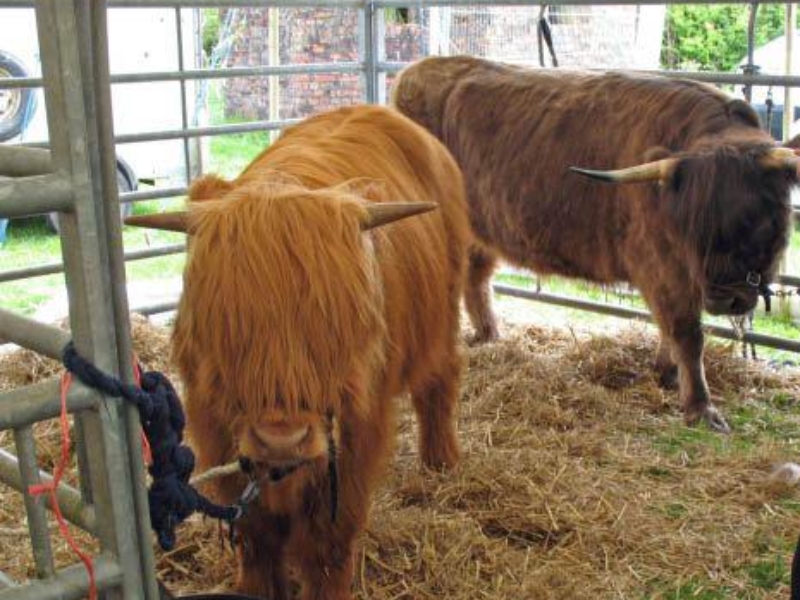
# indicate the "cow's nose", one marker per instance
pixel 280 436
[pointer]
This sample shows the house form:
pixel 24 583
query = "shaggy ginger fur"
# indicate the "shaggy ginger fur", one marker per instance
pixel 290 313
pixel 693 241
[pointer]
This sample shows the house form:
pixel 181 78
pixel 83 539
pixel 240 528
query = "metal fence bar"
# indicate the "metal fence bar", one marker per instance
pixel 155 194
pixel 631 313
pixel 174 134
pixel 69 499
pixel 789 280
pixel 27 196
pixel 37 515
pixel 192 74
pixel 70 584
pixel 377 3
pixel 56 268
pixel 11 83
pixel 19 161
pixel 231 72
pixel 155 309
pixel 41 338
pixel 42 401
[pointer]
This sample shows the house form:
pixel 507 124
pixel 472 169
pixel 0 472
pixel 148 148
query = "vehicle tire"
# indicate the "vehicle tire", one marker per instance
pixel 16 105
pixel 126 182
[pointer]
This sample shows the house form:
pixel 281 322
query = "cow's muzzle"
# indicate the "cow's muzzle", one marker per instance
pixel 275 449
pixel 731 304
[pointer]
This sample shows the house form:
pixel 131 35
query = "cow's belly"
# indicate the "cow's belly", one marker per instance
pixel 565 250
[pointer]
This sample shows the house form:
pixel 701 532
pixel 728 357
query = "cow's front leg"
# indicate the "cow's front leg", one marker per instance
pixel 687 339
pixel 665 366
pixel 436 402
pixel 325 559
pixel 261 553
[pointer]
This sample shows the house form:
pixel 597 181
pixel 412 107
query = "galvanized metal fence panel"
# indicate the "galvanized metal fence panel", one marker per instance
pixel 77 177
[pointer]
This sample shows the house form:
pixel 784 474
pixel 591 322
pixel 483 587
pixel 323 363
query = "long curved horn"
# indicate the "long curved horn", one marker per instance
pixel 658 170
pixel 170 221
pixel 385 212
pixel 781 158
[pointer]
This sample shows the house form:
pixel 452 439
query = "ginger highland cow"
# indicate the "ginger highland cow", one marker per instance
pixel 304 313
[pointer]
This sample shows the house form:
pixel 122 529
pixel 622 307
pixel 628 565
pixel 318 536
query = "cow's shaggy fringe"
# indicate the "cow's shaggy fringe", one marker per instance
pixel 578 481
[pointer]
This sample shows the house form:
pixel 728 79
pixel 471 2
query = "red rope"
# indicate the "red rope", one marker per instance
pixel 51 487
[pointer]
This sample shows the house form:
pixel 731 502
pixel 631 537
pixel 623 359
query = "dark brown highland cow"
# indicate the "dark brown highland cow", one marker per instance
pixel 702 227
pixel 304 313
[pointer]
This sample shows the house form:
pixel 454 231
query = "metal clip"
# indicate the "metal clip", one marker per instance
pixel 753 279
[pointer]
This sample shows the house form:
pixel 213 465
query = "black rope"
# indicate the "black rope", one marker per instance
pixel 172 499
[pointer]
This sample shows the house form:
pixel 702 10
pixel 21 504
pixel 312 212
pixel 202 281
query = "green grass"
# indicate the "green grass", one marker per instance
pixel 31 243
pixel 229 154
pixel 763 576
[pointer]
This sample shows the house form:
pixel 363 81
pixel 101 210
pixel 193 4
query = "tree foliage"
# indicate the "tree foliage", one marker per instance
pixel 714 37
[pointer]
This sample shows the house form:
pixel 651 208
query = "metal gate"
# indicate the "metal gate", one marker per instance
pixel 76 176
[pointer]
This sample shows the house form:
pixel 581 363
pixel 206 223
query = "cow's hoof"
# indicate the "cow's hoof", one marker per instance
pixel 710 416
pixel 483 336
pixel 668 378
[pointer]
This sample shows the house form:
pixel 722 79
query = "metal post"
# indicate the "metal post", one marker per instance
pixel 72 36
pixel 750 68
pixel 187 162
pixel 372 45
pixel 274 58
pixel 788 105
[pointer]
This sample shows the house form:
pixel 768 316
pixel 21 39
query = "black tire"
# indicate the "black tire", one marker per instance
pixel 126 182
pixel 16 105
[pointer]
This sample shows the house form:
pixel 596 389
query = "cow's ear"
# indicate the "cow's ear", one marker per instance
pixel 171 221
pixel 793 143
pixel 743 110
pixel 656 153
pixel 209 187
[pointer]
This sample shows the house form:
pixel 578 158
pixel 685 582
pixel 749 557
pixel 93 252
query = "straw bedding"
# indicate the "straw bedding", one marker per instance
pixel 578 481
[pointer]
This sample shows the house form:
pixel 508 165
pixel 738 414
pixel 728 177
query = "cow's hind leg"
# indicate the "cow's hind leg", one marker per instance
pixel 478 294
pixel 435 402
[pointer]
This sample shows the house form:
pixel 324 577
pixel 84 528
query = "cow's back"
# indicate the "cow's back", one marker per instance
pixel 515 132
pixel 422 259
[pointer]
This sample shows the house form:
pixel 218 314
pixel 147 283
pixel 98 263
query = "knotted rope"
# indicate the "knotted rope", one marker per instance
pixel 171 496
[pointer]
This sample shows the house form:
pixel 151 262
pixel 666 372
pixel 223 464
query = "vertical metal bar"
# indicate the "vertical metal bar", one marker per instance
pixel 199 143
pixel 138 546
pixel 121 317
pixel 274 58
pixel 34 507
pixel 366 48
pixel 187 161
pixel 788 104
pixel 74 51
pixel 379 53
pixel 750 68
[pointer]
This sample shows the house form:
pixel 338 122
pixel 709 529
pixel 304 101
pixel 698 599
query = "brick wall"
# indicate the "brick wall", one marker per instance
pixel 307 36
